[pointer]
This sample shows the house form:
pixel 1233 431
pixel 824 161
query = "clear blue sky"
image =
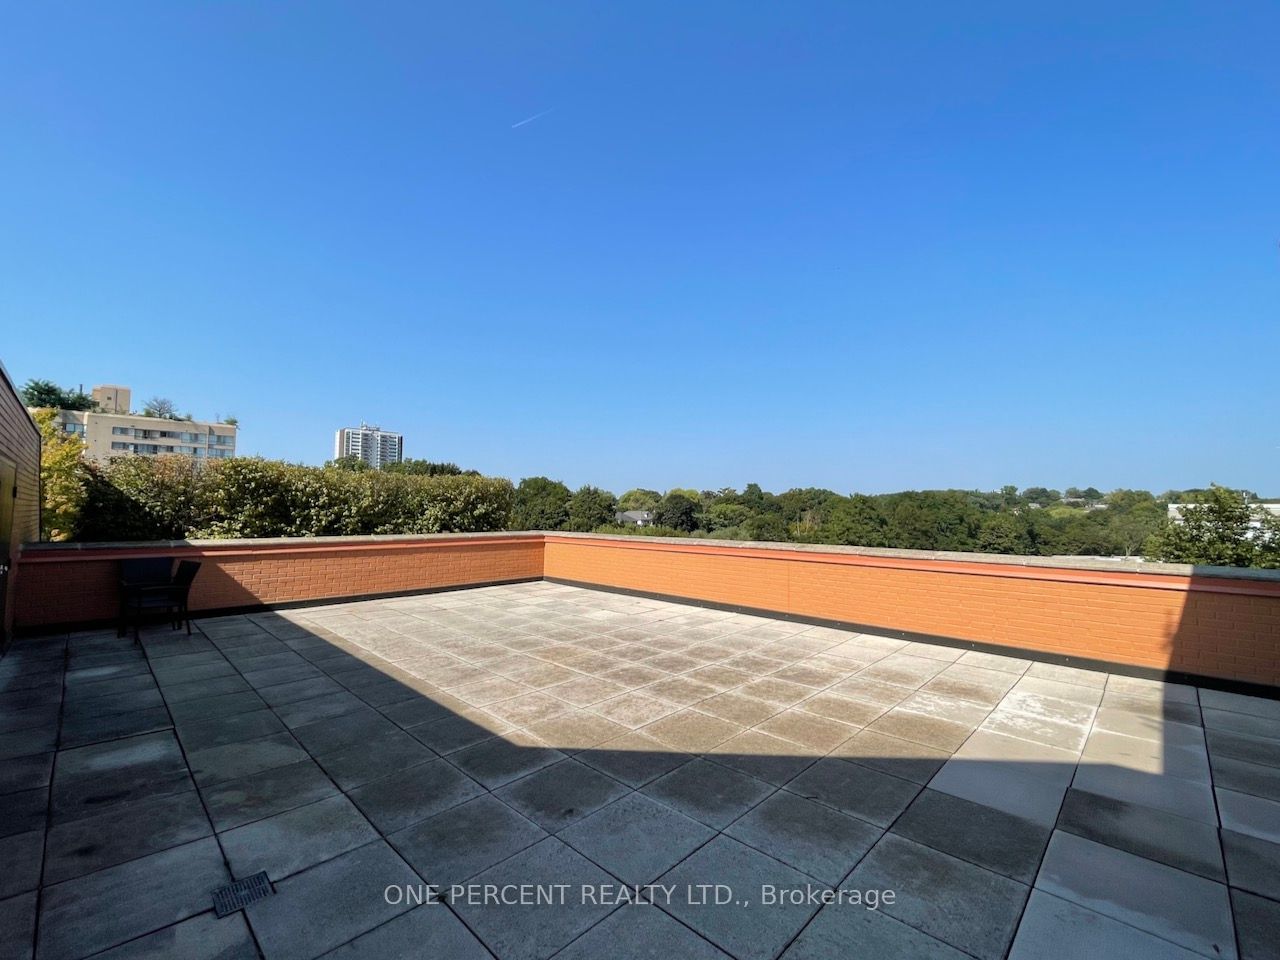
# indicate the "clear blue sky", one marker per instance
pixel 862 246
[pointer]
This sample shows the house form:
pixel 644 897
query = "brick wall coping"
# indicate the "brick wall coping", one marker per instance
pixel 1081 569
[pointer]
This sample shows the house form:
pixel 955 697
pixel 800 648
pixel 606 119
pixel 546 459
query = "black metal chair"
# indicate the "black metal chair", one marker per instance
pixel 137 576
pixel 171 598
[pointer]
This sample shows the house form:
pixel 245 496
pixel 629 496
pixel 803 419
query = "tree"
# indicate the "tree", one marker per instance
pixel 1224 530
pixel 677 510
pixel 350 463
pixel 639 499
pixel 721 516
pixel 64 477
pixel 424 468
pixel 855 521
pixel 232 421
pixel 1041 495
pixel 1004 533
pixel 160 407
pixel 541 504
pixel 591 507
pixel 765 526
pixel 46 393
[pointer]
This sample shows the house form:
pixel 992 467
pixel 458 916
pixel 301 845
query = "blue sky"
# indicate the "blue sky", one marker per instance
pixel 862 246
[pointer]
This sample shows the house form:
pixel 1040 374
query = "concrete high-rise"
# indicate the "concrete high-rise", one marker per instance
pixel 373 445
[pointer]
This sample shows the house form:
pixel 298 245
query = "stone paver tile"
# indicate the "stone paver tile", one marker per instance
pixel 235 760
pixel 1148 727
pixel 202 689
pixel 203 937
pixel 762 756
pixel 562 793
pixel 26 773
pixel 1185 909
pixel 750 932
pixel 737 708
pixel 980 834
pixel 640 932
pixel 931 731
pixel 1248 724
pixel 1076 675
pixel 1239 703
pixel 583 691
pixel 301 713
pixel 1035 686
pixel 636 839
pixel 124 832
pixel 900 758
pixel 360 763
pixel 1253 816
pixel 296 839
pixel 691 732
pixel 1019 789
pixel 840 931
pixel 1185 798
pixel 1189 845
pixel 455 733
pixel 529 708
pixel 429 930
pixel 1053 927
pixel 490 690
pixel 957 902
pixel 633 758
pixel 411 795
pixel 295 691
pixel 330 904
pixel 809 836
pixel 98 729
pixel 503 759
pixel 812 734
pixel 1027 756
pixel 782 693
pixel 973 684
pixel 328 736
pixel 1257 925
pixel 857 713
pixel 217 731
pixel 1252 863
pixel 18 926
pixel 1189 762
pixel 233 803
pixel 455 845
pixel 87 779
pixel 634 709
pixel 1241 776
pixel 208 708
pixel 708 792
pixel 904 670
pixel 91 913
pixel 21 854
pixel 1258 750
pixel 576 730
pixel 854 789
pixel 525 932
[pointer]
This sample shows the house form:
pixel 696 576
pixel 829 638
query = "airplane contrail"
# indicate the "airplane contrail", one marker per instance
pixel 536 116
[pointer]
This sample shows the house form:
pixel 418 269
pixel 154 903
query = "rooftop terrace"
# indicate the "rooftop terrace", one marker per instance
pixel 539 733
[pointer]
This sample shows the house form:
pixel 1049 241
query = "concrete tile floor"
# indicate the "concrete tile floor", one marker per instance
pixel 544 734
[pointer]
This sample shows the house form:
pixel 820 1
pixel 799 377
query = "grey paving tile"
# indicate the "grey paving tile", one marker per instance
pixel 936 732
pixel 633 758
pixel 1185 798
pixel 1180 907
pixel 689 731
pixel 1186 844
pixel 892 755
pixel 234 760
pixel 112 727
pixel 330 904
pixel 420 709
pixel 429 930
pixel 1023 790
pixel 1052 927
pixel 202 689
pixel 708 792
pixel 840 931
pixel 328 736
pixel 763 756
pixel 1244 723
pixel 500 760
pixel 203 937
pixel 296 839
pixel 1240 747
pixel 1255 779
pixel 23 811
pixel 806 835
pixel 408 796
pixel 300 713
pixel 640 932
pixel 1257 925
pixel 854 789
pixel 237 728
pixel 222 705
pixel 980 834
pixel 82 916
pixel 1250 815
pixel 21 854
pixel 369 760
pixel 18 926
pixel 1252 863
pixel 83 710
pixel 88 779
pixel 454 846
pixel 123 832
pixel 524 932
pixel 745 926
pixel 952 900
pixel 233 803
pixel 562 793
pixel 452 733
pixel 636 839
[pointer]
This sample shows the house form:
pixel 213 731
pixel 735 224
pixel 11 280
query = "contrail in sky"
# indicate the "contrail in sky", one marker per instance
pixel 531 119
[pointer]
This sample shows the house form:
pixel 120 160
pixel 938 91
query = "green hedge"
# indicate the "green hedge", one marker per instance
pixel 173 498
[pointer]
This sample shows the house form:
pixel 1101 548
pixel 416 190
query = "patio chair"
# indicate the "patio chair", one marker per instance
pixel 137 576
pixel 170 598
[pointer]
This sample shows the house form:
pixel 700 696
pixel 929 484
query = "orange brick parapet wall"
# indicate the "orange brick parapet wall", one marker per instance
pixel 1216 623
pixel 61 585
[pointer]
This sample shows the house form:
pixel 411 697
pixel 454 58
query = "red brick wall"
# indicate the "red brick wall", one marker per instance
pixel 67 585
pixel 20 445
pixel 1211 626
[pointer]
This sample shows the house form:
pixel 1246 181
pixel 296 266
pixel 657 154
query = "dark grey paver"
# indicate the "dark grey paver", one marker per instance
pixel 203 689
pixel 1257 925
pixel 562 793
pixel 360 763
pixel 841 931
pixel 745 927
pixel 234 760
pixel 333 902
pixel 709 792
pixel 296 839
pixel 233 803
pixel 23 811
pixel 454 846
pixel 1252 863
pixel 809 836
pixel 300 713
pixel 949 899
pixel 88 779
pixel 428 930
pixel 1052 927
pixel 498 761
pixel 21 855
pixel 531 931
pixel 218 731
pixel 408 796
pixel 203 937
pixel 851 788
pixel 222 705
pixel 636 839
pixel 17 926
pixel 640 932
pixel 124 832
pixel 1186 844
pixel 331 735
pixel 88 730
pixel 983 835
pixel 82 916
pixel 633 758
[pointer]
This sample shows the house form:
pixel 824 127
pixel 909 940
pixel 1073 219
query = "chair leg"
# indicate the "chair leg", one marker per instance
pixel 186 615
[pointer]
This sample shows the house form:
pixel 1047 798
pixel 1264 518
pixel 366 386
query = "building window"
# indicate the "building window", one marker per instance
pixel 122 431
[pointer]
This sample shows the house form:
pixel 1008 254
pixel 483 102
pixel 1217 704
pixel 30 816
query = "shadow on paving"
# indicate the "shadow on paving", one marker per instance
pixel 898 799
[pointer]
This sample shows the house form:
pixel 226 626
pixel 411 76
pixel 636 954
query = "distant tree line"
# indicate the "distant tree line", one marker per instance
pixel 1226 528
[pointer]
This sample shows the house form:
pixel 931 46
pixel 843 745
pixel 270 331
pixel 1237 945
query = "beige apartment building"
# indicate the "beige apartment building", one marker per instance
pixel 112 431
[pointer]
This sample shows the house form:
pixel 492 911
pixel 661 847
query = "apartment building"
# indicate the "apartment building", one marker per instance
pixel 373 445
pixel 112 431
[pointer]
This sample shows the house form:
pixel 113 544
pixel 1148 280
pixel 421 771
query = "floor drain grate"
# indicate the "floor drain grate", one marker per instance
pixel 238 895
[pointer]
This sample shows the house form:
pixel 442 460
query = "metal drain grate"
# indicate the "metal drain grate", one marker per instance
pixel 238 895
